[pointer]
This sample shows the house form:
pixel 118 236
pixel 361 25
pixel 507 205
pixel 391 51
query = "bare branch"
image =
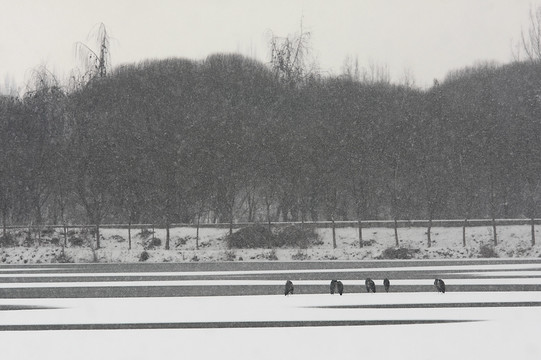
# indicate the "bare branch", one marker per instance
pixel 289 57
pixel 530 40
pixel 95 63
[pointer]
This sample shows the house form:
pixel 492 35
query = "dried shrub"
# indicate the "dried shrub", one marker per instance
pixel 118 238
pixel 487 251
pixel 144 256
pixel 7 240
pixel 28 241
pixel 296 236
pixel 62 258
pixel 369 242
pixel 152 243
pixel 76 241
pixel 145 233
pixel 230 255
pixel 88 231
pixel 255 236
pixel 47 232
pixel 271 255
pixel 398 253
pixel 182 241
pixel 300 255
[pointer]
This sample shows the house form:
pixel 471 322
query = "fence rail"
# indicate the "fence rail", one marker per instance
pixel 315 224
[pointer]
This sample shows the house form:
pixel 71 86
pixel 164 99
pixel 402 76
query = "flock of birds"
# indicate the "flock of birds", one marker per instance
pixel 338 287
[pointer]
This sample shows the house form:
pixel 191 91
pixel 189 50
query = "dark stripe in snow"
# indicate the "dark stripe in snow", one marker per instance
pixel 222 325
pixel 432 305
pixel 26 307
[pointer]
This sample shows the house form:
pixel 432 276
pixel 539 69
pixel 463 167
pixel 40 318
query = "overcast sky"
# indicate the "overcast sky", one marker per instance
pixel 426 38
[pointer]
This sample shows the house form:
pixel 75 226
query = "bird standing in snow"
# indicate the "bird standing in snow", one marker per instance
pixel 440 285
pixel 370 286
pixel 336 286
pixel 340 287
pixel 289 287
pixel 386 284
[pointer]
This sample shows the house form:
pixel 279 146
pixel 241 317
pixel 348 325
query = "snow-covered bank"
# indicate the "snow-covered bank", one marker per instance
pixel 513 241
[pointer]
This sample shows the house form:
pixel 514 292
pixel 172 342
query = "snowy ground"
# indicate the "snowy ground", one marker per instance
pixel 397 325
pixel 514 241
pixel 495 333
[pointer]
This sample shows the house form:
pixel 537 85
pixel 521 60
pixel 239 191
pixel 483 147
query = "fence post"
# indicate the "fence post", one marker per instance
pixel 129 235
pixel 464 232
pixel 333 233
pixel 396 232
pixel 360 233
pixel 197 233
pixel 494 229
pixel 533 231
pixel 97 236
pixel 167 236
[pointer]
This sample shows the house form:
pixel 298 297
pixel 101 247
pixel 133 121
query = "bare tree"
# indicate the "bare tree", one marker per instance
pixel 530 39
pixel 408 78
pixel 290 57
pixel 376 74
pixel 350 68
pixel 45 102
pixel 96 62
pixel 96 65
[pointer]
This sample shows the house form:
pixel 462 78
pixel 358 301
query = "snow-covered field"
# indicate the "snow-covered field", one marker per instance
pixel 494 333
pixel 514 241
pixel 395 325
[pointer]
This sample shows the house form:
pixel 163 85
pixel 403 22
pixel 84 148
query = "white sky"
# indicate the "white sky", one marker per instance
pixel 426 38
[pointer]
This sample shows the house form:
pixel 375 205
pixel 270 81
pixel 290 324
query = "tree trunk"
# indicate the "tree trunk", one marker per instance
pixel 464 232
pixel 394 200
pixel 494 231
pixel 4 226
pixel 97 235
pixel 429 231
pixel 129 235
pixel 39 218
pixel 396 232
pixel 231 220
pixel 251 207
pixel 533 231
pixel 167 236
pixel 493 210
pixel 268 216
pixel 197 232
pixel 360 233
pixel 333 233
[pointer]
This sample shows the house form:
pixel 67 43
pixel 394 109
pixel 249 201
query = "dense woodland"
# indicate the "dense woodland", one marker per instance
pixel 231 139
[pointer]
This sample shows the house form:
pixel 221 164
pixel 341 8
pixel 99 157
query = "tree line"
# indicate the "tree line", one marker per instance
pixel 231 139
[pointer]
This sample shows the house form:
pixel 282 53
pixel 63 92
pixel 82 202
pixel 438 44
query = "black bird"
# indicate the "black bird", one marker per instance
pixel 440 285
pixel 340 287
pixel 370 286
pixel 289 288
pixel 386 284
pixel 333 286
pixel 337 286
